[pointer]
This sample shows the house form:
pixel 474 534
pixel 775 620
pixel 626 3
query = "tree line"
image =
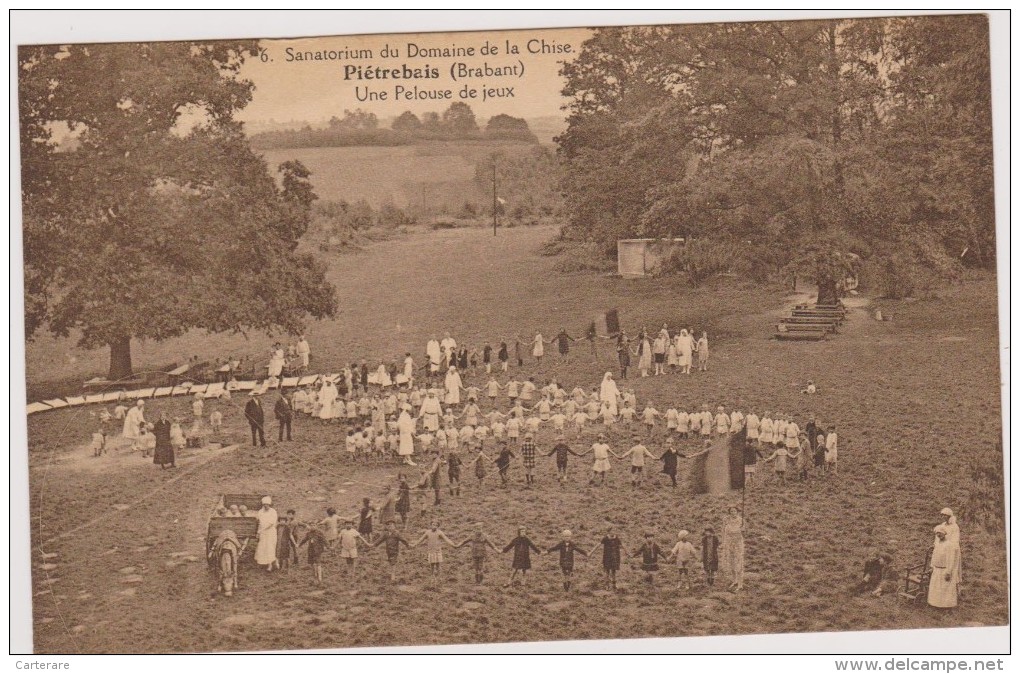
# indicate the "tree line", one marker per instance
pixel 809 146
pixel 359 127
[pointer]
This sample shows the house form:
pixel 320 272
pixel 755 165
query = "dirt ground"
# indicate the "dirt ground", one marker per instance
pixel 118 544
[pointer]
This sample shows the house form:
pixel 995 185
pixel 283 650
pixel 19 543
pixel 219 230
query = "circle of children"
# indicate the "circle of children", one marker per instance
pixel 437 419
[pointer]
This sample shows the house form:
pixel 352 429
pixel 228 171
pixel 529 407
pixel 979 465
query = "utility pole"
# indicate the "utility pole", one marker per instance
pixel 494 195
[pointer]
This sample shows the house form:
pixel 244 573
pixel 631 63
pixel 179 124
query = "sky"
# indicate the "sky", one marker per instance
pixel 524 84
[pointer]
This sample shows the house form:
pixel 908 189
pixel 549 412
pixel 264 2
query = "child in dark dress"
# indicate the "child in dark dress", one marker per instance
pixel 522 547
pixel 503 462
pixel 365 519
pixel 317 544
pixel 403 499
pixel 286 545
pixel 611 547
pixel 453 464
pixel 392 540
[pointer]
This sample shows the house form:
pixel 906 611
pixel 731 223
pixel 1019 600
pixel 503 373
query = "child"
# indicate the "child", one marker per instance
pixel 562 452
pixel 702 349
pixel 669 460
pixel 781 455
pixel 580 419
pixel 216 421
pixel 627 413
pixel 492 387
pixel 392 540
pixel 672 421
pixel 286 545
pixel 683 424
pixel 504 356
pixel 648 417
pixel 684 554
pixel 332 526
pixel 567 548
pixel 147 439
pixel 453 464
pixel 177 439
pixel 513 429
pixel 98 443
pixel 710 555
pixel 601 466
pixel 503 462
pixel 722 421
pixel 831 451
pixel 804 457
pixel 522 547
pixel 695 419
pixel 611 547
pixel 512 391
pixel 434 539
pixel 736 421
pixel 403 506
pixel 637 455
pixel 349 538
pixel 528 452
pixel 649 552
pixel 350 443
pixel 365 519
pixel 479 463
pixel 559 422
pixel 528 389
pixel 479 543
pixel 317 544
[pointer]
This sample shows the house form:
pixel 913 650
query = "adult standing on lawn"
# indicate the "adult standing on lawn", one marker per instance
pixel 256 417
pixel 304 351
pixel 733 548
pixel 164 453
pixel 405 427
pixel 133 420
pixel 284 413
pixel 609 393
pixel 944 587
pixel 265 551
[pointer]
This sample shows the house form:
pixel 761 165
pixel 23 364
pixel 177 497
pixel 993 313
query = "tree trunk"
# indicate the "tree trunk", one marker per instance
pixel 827 293
pixel 120 358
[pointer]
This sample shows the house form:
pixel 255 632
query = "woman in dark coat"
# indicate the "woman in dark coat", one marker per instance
pixel 522 547
pixel 164 453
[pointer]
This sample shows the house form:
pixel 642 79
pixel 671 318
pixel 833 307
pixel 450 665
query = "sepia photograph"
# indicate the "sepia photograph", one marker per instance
pixel 552 334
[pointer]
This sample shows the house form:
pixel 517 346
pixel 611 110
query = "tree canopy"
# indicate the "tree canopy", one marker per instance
pixel 146 213
pixel 795 140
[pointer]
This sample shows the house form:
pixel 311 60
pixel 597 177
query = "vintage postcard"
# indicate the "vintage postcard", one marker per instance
pixel 527 335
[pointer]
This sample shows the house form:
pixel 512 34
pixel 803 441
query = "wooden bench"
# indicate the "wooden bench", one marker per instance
pixel 811 313
pixel 101 384
pixel 176 375
pixel 798 321
pixel 800 332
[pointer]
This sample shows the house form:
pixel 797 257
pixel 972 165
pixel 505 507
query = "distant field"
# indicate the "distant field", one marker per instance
pixel 440 174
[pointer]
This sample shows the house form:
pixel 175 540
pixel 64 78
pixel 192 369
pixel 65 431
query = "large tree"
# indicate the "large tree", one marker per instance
pixel 146 213
pixel 815 141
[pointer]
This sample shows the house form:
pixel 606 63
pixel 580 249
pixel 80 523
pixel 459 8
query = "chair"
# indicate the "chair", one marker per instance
pixel 916 579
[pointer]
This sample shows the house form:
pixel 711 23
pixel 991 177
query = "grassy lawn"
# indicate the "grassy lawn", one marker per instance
pixel 916 399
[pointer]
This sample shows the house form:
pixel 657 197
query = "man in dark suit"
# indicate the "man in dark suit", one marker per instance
pixel 284 412
pixel 256 417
